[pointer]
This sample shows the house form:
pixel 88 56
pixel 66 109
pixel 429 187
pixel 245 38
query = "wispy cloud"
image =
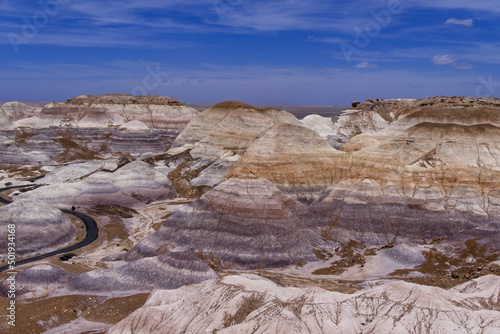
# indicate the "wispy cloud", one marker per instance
pixel 482 5
pixel 253 84
pixel 330 40
pixel 366 64
pixel 442 60
pixel 468 23
pixel 183 35
pixel 465 66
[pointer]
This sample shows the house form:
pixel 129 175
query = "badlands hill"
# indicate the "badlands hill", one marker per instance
pixel 127 183
pixel 90 127
pixel 408 177
pixel 291 156
pixel 252 304
pixel 102 111
pixel 169 271
pixel 399 190
pixel 214 141
pixel 5 121
pixel 39 228
pixel 18 110
pixel 241 223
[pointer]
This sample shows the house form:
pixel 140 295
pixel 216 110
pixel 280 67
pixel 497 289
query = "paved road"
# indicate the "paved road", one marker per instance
pixel 90 225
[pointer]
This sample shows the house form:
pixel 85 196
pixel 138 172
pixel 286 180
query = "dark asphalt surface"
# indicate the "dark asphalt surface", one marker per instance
pixel 90 225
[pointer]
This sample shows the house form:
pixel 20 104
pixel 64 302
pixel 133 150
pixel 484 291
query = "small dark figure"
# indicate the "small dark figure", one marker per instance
pixel 73 209
pixel 66 257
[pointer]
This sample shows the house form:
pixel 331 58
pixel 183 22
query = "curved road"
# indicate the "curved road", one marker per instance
pixel 90 226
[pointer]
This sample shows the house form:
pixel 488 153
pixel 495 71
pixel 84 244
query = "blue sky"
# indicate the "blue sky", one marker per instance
pixel 277 52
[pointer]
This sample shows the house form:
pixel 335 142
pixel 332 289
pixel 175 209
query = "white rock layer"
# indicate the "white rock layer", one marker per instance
pixel 252 304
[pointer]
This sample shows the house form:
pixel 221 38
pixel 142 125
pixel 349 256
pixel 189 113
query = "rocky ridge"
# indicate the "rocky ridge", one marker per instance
pixel 409 192
pixel 103 111
pixel 294 158
pixel 89 127
pixel 213 141
pixel 395 183
pixel 252 304
pixel 18 110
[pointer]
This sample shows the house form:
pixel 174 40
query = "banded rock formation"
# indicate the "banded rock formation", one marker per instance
pixel 403 184
pixel 237 121
pixel 37 282
pixel 431 173
pixel 168 271
pixel 241 223
pixel 293 157
pixel 215 140
pixel 252 304
pixel 39 228
pixel 439 156
pixel 90 127
pixel 20 147
pixel 131 185
pixel 103 111
pixel 50 146
pixel 17 110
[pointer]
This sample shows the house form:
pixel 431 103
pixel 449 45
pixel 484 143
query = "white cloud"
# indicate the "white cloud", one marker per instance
pixel 468 23
pixel 366 64
pixel 212 82
pixel 483 5
pixel 450 60
pixel 444 60
pixel 330 40
pixel 465 66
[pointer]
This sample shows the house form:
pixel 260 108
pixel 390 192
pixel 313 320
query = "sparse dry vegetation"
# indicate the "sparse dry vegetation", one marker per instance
pixel 350 254
pixel 450 265
pixel 212 260
pixel 248 305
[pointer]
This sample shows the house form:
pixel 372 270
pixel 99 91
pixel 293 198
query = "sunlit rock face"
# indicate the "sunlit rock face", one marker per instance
pixel 293 157
pixel 236 122
pixel 252 304
pixel 215 140
pixel 17 110
pixel 5 121
pixel 354 122
pixel 90 127
pixel 134 125
pixel 39 228
pixel 241 223
pixel 432 172
pixel 438 154
pixel 428 172
pixel 322 125
pixel 112 110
